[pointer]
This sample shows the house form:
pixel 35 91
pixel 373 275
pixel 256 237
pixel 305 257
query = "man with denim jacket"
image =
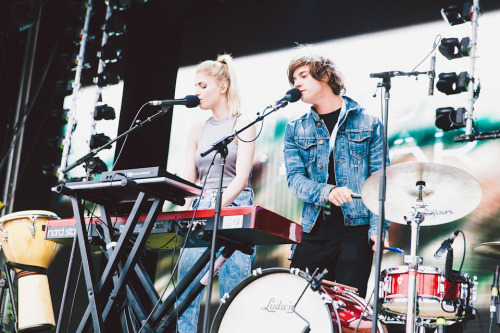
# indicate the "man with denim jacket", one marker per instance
pixel 329 153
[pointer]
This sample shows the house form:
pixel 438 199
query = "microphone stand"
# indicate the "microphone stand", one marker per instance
pixel 220 147
pixel 386 84
pixel 93 152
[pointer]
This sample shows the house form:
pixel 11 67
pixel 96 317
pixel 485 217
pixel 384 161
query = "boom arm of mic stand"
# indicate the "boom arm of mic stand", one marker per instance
pixel 227 140
pixel 390 74
pixel 94 152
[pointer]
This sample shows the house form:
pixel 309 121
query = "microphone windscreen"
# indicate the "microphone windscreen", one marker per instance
pixel 192 101
pixel 295 94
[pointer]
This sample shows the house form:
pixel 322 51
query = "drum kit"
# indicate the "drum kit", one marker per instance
pixel 290 300
pixel 420 297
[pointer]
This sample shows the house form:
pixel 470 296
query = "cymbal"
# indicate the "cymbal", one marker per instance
pixel 450 193
pixel 490 249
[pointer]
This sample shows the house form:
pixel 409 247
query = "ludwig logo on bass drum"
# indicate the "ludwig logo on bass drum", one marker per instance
pixel 273 306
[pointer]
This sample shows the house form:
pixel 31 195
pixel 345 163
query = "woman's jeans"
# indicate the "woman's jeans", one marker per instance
pixel 236 268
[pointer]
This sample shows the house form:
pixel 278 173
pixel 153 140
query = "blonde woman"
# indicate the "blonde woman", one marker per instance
pixel 216 88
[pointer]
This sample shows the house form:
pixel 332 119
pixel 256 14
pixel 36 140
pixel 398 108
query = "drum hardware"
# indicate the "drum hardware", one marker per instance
pixel 435 194
pixel 314 281
pixel 3 302
pixel 32 229
pixel 5 235
pixel 9 297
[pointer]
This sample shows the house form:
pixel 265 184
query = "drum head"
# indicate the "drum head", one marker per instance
pixel 26 213
pixel 265 303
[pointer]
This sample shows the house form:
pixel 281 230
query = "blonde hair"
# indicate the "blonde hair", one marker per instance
pixel 222 70
pixel 320 66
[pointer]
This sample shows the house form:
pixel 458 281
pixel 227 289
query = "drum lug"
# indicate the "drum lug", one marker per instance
pixel 412 261
pixel 5 235
pixel 387 283
pixel 32 229
pixel 339 305
pixel 440 290
pixel 327 299
pixel 473 291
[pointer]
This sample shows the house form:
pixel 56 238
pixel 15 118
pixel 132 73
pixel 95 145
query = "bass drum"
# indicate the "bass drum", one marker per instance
pixel 281 300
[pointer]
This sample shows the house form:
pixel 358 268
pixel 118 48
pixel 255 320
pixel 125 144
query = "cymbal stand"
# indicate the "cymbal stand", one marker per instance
pixel 386 84
pixel 8 297
pixel 413 260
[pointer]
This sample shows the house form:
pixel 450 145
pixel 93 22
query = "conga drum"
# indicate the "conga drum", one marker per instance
pixel 27 250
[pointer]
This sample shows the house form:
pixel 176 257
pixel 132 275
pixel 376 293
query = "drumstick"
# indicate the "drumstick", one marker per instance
pixel 333 284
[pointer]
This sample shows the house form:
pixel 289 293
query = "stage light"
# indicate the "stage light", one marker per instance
pixel 108 76
pixel 104 111
pixel 55 143
pixel 50 171
pixel 58 117
pixel 113 49
pixel 115 25
pixel 449 119
pixel 451 83
pixel 98 140
pixel 64 87
pixel 457 14
pixel 451 48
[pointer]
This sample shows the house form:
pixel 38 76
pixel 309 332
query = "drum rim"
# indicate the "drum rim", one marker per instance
pixel 256 273
pixel 401 269
pixel 26 213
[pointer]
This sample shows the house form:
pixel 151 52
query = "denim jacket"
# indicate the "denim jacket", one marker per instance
pixel 358 154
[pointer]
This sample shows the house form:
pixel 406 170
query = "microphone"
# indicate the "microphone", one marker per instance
pixel 190 101
pixel 432 75
pixel 494 293
pixel 446 244
pixel 292 96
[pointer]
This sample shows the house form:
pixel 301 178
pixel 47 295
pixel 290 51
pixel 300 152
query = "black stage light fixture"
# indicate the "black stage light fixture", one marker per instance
pixel 115 25
pixel 50 171
pixel 58 117
pixel 64 87
pixel 451 83
pixel 98 140
pixel 108 76
pixel 104 111
pixel 118 4
pixel 55 143
pixel 113 49
pixel 457 14
pixel 449 119
pixel 452 48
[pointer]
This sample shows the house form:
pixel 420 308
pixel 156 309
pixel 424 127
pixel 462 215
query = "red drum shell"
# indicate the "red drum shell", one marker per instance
pixel 354 313
pixel 431 288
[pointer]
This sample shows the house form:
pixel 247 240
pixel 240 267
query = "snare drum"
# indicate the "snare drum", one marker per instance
pixel 27 250
pixel 265 302
pixel 431 288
